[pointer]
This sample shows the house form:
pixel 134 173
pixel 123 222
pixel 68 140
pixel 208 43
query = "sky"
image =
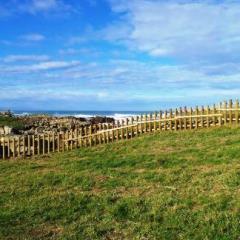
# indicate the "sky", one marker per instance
pixel 118 54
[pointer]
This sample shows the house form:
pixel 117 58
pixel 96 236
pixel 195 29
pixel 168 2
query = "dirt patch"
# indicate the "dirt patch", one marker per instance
pixel 46 232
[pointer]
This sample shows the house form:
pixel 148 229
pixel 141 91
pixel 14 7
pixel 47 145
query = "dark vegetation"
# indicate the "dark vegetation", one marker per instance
pixel 12 122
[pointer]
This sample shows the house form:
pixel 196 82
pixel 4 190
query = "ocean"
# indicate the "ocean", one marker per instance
pixel 118 115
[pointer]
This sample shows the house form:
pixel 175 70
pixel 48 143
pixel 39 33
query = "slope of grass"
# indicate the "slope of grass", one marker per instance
pixel 183 185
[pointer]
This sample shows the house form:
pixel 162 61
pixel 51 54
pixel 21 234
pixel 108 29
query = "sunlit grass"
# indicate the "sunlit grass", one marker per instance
pixel 169 185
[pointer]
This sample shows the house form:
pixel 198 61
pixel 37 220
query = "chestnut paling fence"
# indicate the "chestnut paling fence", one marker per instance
pixel 226 113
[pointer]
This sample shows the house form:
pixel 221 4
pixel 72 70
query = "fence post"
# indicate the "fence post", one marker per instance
pixel 170 121
pixel 24 146
pixel 48 141
pixel 108 133
pixel 207 116
pixel 118 125
pixel 53 143
pixel 185 117
pixel 14 153
pixel 90 135
pixel 85 136
pixel 127 133
pixel 225 112
pixel 165 120
pixel 176 120
pixel 58 142
pixel 141 128
pixel 122 130
pixel 112 133
pixel 155 123
pixel 19 149
pixel 8 148
pixel 71 143
pixel 145 123
pixel 220 116
pixel 160 119
pixel 180 113
pixel 43 143
pixel 196 119
pixel 190 118
pixel 3 147
pixel 100 134
pixel 137 128
pixel 95 135
pixel 230 111
pixel 237 112
pixel 214 113
pixel 33 140
pixel 202 117
pixel 76 137
pixel 28 145
pixel 81 137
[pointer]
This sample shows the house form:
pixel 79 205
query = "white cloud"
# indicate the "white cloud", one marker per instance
pixel 118 81
pixel 53 65
pixel 42 66
pixel 33 37
pixel 190 30
pixel 25 58
pixel 43 6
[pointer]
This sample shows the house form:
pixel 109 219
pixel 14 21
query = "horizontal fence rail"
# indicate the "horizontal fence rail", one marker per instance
pixel 227 113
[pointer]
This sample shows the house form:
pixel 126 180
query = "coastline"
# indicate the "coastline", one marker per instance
pixel 117 115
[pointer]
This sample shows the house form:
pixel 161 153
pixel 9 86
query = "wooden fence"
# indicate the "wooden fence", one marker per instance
pixel 227 113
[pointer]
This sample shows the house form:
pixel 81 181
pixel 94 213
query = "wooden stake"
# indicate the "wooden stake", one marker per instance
pixel 71 143
pixel 19 149
pixel 220 117
pixel 190 118
pixel 33 139
pixel 185 118
pixel 122 130
pixel 165 121
pixel 58 142
pixel 8 148
pixel 48 141
pixel 43 143
pixel 3 146
pixel 230 111
pixel 196 119
pixel 225 112
pixel 155 122
pixel 170 121
pixel 29 145
pixel 14 153
pixel 214 117
pixel 208 117
pixel 176 121
pixel 237 112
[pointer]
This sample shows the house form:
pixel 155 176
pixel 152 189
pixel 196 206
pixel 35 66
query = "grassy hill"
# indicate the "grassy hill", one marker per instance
pixel 170 185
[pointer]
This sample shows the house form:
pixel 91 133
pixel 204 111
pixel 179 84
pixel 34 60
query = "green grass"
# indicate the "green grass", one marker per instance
pixel 172 185
pixel 11 122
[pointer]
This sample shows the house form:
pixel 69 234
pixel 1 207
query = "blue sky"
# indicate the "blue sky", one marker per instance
pixel 118 55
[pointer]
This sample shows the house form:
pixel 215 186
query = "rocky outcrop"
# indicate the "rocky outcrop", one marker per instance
pixel 6 114
pixel 45 124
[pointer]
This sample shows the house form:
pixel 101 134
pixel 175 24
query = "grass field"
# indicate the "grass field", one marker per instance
pixel 172 185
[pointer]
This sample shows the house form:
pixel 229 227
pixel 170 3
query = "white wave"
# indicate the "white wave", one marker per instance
pixel 121 116
pixel 83 116
pixel 22 114
pixel 116 116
